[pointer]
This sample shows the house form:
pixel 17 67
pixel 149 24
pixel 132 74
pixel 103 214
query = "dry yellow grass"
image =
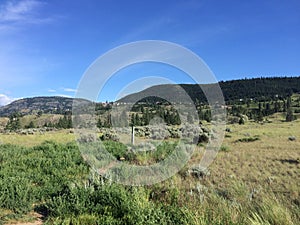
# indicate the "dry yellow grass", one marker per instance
pixel 61 136
pixel 39 120
pixel 270 163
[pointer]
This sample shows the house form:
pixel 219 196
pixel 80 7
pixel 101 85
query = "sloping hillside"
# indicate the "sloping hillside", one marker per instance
pixel 256 88
pixel 53 105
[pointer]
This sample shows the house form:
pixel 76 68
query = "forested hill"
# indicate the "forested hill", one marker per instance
pixel 260 88
pixel 256 88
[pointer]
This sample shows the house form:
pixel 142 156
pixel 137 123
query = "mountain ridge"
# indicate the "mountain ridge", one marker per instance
pixel 45 104
pixel 254 88
pixel 233 90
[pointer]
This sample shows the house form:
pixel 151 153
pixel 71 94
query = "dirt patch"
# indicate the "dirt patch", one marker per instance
pixel 38 221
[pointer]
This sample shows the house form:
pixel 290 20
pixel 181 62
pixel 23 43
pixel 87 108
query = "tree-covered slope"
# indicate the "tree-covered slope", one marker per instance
pixel 256 88
pixel 234 90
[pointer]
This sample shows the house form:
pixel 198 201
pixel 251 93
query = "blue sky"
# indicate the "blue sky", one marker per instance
pixel 46 46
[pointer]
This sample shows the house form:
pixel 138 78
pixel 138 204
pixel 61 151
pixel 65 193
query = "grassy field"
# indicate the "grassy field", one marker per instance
pixel 60 136
pixel 253 180
pixel 272 161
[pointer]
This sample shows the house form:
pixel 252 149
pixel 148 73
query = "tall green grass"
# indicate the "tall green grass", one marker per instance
pixel 52 179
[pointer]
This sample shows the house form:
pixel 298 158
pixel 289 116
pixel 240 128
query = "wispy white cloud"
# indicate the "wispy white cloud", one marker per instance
pixel 14 14
pixel 51 90
pixel 4 100
pixel 66 96
pixel 69 90
pixel 18 11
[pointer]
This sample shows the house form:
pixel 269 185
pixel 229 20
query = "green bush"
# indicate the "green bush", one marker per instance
pixel 224 148
pixel 16 194
pixel 113 204
pixel 117 149
pixel 248 139
pixel 32 175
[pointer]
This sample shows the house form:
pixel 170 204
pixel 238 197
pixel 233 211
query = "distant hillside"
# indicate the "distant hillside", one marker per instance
pixel 53 105
pixel 256 88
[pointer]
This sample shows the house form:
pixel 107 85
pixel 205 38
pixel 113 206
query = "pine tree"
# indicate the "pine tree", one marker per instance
pixel 176 119
pixel 70 124
pixel 259 107
pixel 107 123
pixel 268 110
pixel 207 115
pixel 137 120
pixel 289 115
pixel 288 102
pixel 30 125
pixel 132 120
pixel 146 117
pixel 277 107
pixel 241 121
pixel 14 122
pixel 284 106
pixel 99 123
pixel 39 114
pixel 260 116
pixel 167 117
pixel 64 122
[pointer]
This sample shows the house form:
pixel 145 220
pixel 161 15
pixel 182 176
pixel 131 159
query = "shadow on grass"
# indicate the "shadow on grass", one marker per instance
pixel 43 211
pixel 290 161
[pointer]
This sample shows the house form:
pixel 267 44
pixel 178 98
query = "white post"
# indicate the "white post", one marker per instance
pixel 132 135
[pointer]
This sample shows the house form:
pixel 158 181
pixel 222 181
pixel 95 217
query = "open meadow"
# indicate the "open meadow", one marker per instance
pixel 253 180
